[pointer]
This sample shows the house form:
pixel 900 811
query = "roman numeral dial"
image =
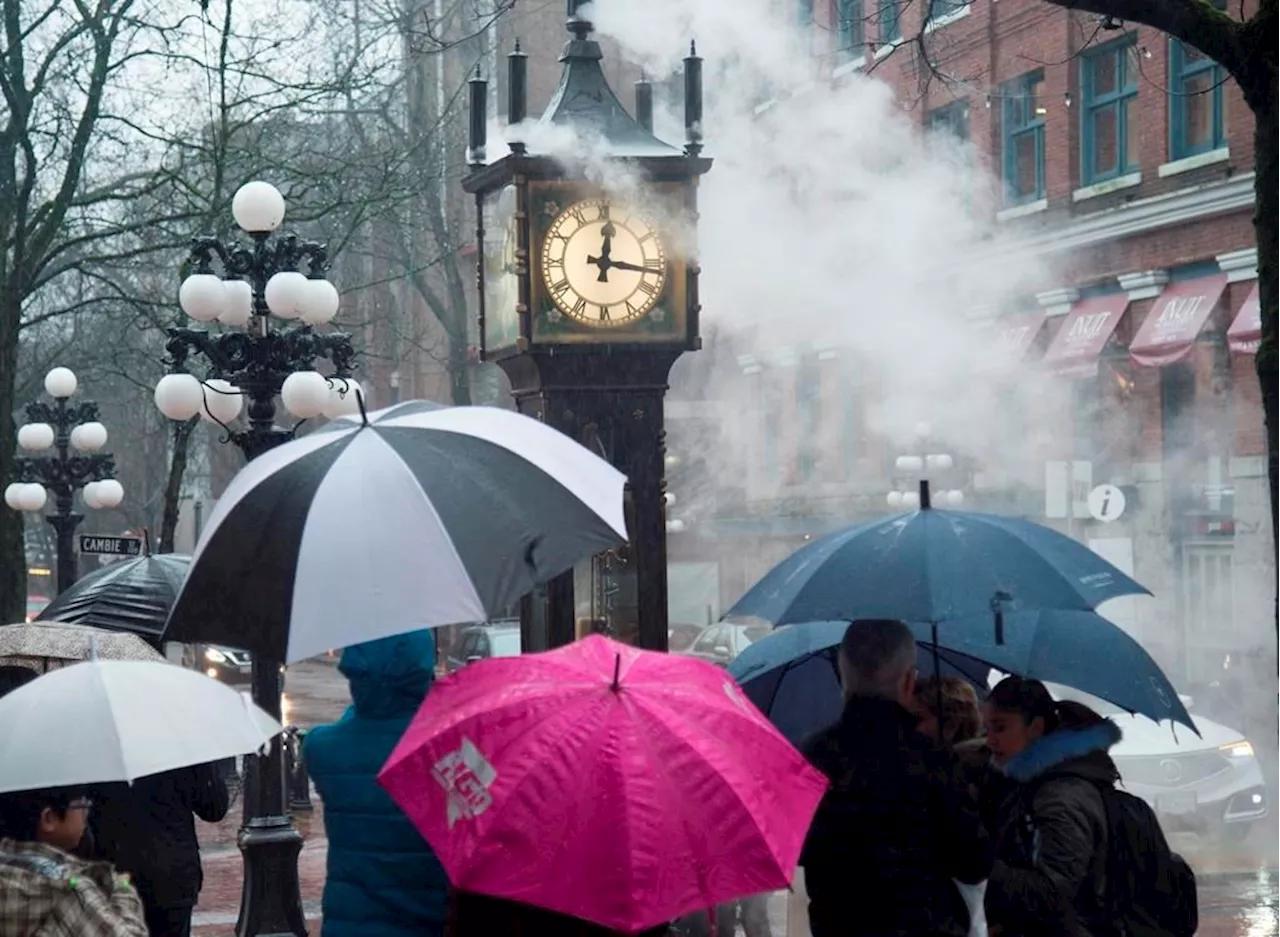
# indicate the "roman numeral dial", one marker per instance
pixel 603 263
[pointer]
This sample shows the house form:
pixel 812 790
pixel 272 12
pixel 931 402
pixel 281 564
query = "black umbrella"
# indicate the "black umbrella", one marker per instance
pixel 130 595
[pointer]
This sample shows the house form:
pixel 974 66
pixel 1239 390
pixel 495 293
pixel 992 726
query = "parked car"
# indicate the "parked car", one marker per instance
pixel 478 642
pixel 680 636
pixel 1207 784
pixel 721 643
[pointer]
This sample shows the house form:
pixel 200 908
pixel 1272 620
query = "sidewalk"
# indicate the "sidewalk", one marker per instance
pixel 224 869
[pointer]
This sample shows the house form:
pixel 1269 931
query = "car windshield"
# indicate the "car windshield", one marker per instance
pixel 1100 706
pixel 755 632
pixel 504 643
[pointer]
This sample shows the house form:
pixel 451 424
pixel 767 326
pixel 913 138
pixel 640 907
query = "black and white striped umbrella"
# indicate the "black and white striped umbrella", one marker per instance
pixel 424 515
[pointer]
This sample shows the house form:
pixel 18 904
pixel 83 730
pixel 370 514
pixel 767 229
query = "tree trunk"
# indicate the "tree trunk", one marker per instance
pixel 459 374
pixel 173 487
pixel 1266 222
pixel 13 558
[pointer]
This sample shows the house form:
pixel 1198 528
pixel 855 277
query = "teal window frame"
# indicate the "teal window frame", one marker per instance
pixel 804 13
pixel 1180 72
pixel 1018 120
pixel 851 27
pixel 951 119
pixel 889 20
pixel 944 9
pixel 1093 105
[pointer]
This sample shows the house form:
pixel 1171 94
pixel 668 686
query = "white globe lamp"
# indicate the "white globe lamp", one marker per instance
pixel 202 297
pixel 320 302
pixel 258 207
pixel 32 497
pixel 89 437
pixel 909 463
pixel 13 495
pixel 286 292
pixel 940 461
pixel 343 400
pixel 89 495
pixel 221 401
pixel 305 394
pixel 923 430
pixel 955 498
pixel 910 500
pixel 895 499
pixel 179 396
pixel 109 493
pixel 35 437
pixel 60 383
pixel 237 304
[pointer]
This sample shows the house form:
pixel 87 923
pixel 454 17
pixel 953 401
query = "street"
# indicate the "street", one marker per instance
pixel 1238 883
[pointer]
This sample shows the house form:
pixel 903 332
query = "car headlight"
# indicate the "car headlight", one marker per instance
pixel 1240 749
pixel 215 656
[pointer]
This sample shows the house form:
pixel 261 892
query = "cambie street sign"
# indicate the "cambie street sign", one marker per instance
pixel 113 546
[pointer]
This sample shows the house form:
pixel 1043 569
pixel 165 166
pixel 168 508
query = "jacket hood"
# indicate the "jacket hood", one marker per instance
pixel 390 677
pixel 1081 752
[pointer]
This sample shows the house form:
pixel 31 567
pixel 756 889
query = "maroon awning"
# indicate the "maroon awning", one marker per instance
pixel 1090 323
pixel 1174 322
pixel 1245 334
pixel 1014 334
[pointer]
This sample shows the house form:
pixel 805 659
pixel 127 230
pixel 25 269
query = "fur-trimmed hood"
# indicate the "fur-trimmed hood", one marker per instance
pixel 1085 750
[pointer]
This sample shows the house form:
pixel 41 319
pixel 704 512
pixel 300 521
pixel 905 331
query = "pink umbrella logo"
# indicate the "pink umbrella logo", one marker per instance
pixel 466 777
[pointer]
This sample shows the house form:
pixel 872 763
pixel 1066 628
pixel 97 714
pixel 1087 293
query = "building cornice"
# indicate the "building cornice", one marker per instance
pixel 1239 265
pixel 1145 215
pixel 1144 284
pixel 1058 302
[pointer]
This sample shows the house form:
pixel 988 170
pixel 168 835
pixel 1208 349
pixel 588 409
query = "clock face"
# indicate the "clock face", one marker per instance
pixel 603 263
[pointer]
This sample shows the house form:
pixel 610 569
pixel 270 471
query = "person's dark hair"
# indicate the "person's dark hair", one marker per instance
pixel 1075 715
pixel 876 653
pixel 20 812
pixel 1029 699
pixel 960 719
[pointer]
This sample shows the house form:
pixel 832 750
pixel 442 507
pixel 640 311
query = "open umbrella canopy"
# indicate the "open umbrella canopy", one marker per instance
pixel 46 645
pixel 110 720
pixel 619 786
pixel 931 566
pixel 132 595
pixel 793 676
pixel 416 516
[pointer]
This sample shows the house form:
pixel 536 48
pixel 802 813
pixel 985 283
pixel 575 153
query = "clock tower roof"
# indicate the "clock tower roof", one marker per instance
pixel 584 99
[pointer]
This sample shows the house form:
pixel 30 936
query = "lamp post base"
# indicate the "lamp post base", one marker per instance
pixel 271 897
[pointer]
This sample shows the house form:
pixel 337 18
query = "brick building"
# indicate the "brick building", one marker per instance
pixel 1127 158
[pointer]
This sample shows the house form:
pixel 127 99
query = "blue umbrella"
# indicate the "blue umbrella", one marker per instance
pixel 934 566
pixel 792 676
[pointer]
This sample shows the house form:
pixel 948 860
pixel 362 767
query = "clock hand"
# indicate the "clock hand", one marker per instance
pixel 603 261
pixel 623 265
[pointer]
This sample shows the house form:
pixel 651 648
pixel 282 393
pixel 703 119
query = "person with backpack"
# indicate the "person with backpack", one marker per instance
pixel 1074 856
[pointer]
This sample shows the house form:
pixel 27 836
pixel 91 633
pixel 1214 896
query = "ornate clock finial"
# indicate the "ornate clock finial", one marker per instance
pixel 578 25
pixel 693 101
pixel 479 119
pixel 517 91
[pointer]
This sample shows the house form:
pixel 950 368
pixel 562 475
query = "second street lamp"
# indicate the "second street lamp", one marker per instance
pixel 74 434
pixel 249 286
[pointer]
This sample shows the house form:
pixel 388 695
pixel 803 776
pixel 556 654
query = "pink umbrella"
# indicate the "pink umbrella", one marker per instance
pixel 618 786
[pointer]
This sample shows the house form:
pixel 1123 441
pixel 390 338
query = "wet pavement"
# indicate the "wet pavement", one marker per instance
pixel 1239 886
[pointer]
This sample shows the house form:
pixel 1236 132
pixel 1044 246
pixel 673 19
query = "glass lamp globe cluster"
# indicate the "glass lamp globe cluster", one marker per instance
pixel 87 438
pixel 920 466
pixel 259 209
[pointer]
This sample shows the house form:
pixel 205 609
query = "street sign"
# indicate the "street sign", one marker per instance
pixel 1106 503
pixel 112 546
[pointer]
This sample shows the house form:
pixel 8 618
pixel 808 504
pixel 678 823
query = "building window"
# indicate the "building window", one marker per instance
pixel 952 120
pixel 809 405
pixel 941 10
pixel 850 33
pixel 804 12
pixel 889 13
pixel 1023 131
pixel 1197 117
pixel 1109 87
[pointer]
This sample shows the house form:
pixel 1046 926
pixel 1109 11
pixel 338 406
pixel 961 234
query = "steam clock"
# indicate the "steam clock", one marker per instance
pixel 588 294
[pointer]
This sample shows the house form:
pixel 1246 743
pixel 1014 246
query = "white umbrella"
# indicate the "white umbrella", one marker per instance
pixel 109 720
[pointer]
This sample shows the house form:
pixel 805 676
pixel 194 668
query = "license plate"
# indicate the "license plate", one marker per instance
pixel 1176 804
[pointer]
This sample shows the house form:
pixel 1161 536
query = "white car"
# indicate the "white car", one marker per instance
pixel 1211 783
pixel 722 642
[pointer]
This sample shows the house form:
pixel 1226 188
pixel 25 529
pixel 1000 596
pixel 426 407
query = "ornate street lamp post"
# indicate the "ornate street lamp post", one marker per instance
pixel 74 434
pixel 245 286
pixel 917 467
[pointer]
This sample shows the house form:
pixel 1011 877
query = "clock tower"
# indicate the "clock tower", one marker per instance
pixel 588 283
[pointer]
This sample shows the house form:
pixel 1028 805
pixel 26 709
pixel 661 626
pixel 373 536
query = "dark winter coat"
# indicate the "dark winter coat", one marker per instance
pixel 987 783
pixel 148 830
pixel 383 879
pixel 896 826
pixel 1049 878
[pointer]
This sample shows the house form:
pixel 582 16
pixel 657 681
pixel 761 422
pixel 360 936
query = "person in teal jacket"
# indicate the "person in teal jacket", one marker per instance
pixel 383 879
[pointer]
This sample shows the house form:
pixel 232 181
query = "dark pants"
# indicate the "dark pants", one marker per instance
pixel 168 922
